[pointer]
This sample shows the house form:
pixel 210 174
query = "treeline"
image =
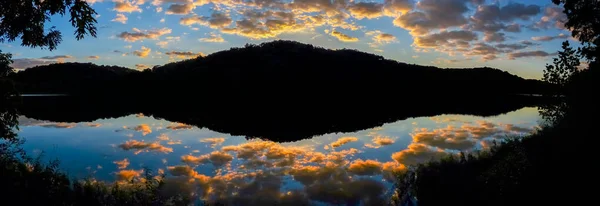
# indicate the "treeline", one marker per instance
pixel 285 69
pixel 281 123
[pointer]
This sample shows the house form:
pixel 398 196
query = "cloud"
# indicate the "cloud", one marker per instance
pixel 143 52
pixel 383 140
pixel 512 47
pixel 189 159
pixel 217 158
pixel 57 57
pixel 122 164
pixel 128 175
pixel 343 37
pixel 141 66
pixel 178 126
pixel 517 129
pixel 182 170
pixel 126 6
pixel 549 38
pixel 93 124
pixel 216 20
pixel 418 153
pixel 445 138
pixel 538 53
pixel 93 57
pixel 368 167
pixel 492 18
pixel 141 146
pixel 180 9
pixel 184 54
pixel 446 40
pixel 162 44
pixel 213 141
pixel 369 10
pixel 91 2
pixel 394 8
pixel 139 35
pixel 553 17
pixel 58 125
pixel 120 18
pixel 433 14
pixel 494 37
pixel 212 38
pixel 342 141
pixel 28 63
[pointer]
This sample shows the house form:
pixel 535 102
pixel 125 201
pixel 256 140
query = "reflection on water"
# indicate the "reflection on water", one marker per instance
pixel 335 168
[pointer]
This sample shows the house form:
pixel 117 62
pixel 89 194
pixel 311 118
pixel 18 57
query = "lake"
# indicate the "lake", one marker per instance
pixel 336 164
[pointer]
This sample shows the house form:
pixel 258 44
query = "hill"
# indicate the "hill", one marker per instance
pixel 285 69
pixel 69 77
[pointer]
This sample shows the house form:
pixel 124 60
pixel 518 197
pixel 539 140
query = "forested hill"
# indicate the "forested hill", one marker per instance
pixel 281 68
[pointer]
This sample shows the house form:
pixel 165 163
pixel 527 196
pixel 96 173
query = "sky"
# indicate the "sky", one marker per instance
pixel 518 36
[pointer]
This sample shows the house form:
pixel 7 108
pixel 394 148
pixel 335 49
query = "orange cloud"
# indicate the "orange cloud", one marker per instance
pixel 122 164
pixel 343 37
pixel 368 167
pixel 417 153
pixel 120 18
pixel 143 53
pixel 213 141
pixel 342 141
pixel 128 175
pixel 126 6
pixel 141 146
pixel 179 126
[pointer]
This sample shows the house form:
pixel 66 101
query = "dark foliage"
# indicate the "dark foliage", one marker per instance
pixel 584 22
pixel 25 19
pixel 274 122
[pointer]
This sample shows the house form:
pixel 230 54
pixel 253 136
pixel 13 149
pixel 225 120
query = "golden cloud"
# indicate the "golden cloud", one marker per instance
pixel 126 6
pixel 343 37
pixel 143 53
pixel 128 175
pixel 369 10
pixel 141 146
pixel 120 18
pixel 122 164
pixel 212 38
pixel 342 141
pixel 213 141
pixel 144 128
pixel 368 167
pixel 418 153
pixel 179 126
pixel 445 138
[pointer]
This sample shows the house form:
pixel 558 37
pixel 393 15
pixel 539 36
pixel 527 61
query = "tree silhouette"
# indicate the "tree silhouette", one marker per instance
pixel 26 19
pixel 584 23
pixel 564 66
pixel 5 61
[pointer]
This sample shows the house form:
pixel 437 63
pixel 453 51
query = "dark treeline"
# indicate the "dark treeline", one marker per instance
pixel 278 70
pixel 277 123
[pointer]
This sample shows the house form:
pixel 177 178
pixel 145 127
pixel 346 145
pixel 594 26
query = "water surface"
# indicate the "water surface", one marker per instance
pixel 325 168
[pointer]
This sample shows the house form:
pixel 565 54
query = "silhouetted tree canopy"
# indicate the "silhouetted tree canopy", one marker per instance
pixel 5 61
pixel 25 19
pixel 584 23
pixel 565 65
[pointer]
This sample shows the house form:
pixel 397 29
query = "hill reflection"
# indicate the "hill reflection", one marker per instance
pixel 271 120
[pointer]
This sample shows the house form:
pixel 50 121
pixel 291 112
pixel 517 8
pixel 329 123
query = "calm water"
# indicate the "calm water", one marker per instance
pixel 117 149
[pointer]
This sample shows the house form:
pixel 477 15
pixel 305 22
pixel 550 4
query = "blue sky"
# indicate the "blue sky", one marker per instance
pixel 517 36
